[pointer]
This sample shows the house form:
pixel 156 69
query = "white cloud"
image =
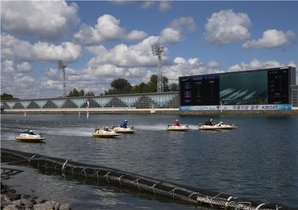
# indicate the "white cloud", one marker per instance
pixel 46 20
pixel 15 49
pixel 125 56
pixel 183 23
pixel 191 66
pixel 213 64
pixel 255 64
pixel 170 35
pixel 136 35
pixel 51 73
pixel 24 67
pixel 164 6
pixel 226 27
pixel 271 39
pixel 174 33
pixel 293 64
pixel 7 66
pixel 107 29
pixel 147 4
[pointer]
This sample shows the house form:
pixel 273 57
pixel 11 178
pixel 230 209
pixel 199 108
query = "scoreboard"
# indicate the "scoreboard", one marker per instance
pixel 278 87
pixel 263 86
pixel 194 90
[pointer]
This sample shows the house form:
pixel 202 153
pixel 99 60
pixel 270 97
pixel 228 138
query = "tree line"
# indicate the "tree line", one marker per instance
pixel 119 86
pixel 122 86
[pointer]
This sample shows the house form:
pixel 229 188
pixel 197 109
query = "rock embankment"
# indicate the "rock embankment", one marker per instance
pixel 10 200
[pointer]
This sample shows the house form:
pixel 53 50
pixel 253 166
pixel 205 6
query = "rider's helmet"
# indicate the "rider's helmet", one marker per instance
pixel 177 120
pixel 125 120
pixel 210 120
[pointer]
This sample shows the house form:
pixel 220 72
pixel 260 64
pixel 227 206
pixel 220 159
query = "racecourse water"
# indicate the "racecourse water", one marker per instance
pixel 258 160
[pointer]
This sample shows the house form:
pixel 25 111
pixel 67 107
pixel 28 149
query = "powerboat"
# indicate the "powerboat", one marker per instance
pixel 177 128
pixel 105 133
pixel 218 126
pixel 29 136
pixel 119 129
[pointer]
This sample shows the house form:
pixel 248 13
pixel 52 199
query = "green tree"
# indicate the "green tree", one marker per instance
pixel 153 83
pixel 5 96
pixel 119 86
pixel 75 93
pixel 82 93
pixel 174 87
pixel 141 88
pixel 90 93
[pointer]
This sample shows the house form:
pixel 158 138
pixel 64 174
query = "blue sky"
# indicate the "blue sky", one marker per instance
pixel 105 40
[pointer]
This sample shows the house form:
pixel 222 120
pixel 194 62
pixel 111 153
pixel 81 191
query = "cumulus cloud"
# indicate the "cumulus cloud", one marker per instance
pixel 174 33
pixel 226 27
pixel 184 23
pixel 147 4
pixel 51 74
pixel 170 35
pixel 24 67
pixel 15 49
pixel 125 56
pixel 255 64
pixel 164 6
pixel 271 39
pixel 191 66
pixel 107 29
pixel 46 20
pixel 7 66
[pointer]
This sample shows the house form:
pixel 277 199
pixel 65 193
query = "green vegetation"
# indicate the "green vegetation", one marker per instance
pixel 6 97
pixel 119 86
pixel 76 93
pixel 122 86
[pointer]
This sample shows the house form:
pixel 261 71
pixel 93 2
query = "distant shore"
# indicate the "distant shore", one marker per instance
pixel 170 111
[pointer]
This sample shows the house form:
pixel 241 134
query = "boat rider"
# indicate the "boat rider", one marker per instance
pixel 123 124
pixel 176 122
pixel 30 132
pixel 209 122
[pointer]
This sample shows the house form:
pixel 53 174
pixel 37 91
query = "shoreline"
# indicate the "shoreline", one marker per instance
pixel 153 111
pixel 11 199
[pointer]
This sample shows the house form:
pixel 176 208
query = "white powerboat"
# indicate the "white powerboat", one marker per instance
pixel 177 128
pixel 29 136
pixel 105 133
pixel 119 129
pixel 218 126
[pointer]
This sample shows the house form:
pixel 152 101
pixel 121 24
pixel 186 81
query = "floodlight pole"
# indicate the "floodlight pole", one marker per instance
pixel 158 50
pixel 62 66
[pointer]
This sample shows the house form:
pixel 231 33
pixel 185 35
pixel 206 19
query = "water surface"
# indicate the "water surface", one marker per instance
pixel 258 160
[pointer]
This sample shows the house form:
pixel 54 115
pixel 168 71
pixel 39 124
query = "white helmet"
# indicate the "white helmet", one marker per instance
pixel 177 120
pixel 210 120
pixel 125 120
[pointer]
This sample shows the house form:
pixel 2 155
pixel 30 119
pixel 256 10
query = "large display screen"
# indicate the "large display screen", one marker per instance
pixel 267 86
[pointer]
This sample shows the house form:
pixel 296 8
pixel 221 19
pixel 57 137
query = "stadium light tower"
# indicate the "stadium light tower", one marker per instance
pixel 158 50
pixel 62 66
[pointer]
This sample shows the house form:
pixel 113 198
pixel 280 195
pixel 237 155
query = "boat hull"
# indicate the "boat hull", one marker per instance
pixel 123 130
pixel 216 127
pixel 177 128
pixel 29 139
pixel 105 134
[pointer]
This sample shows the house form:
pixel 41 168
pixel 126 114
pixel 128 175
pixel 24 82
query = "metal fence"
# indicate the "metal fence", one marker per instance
pixel 130 101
